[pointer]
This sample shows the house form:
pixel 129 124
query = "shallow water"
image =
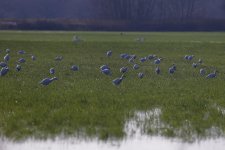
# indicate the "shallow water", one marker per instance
pixel 142 143
pixel 136 138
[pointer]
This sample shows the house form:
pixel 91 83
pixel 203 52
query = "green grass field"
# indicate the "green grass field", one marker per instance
pixel 87 103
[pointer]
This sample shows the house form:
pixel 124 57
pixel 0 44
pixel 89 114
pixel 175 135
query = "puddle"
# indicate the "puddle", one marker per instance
pixel 136 138
pixel 142 143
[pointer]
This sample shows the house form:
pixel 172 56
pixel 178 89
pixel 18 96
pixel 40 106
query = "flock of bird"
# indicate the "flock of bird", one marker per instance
pixel 105 69
pixel 46 81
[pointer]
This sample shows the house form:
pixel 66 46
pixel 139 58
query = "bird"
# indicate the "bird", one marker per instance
pixel 18 67
pixel 123 69
pixel 190 57
pixel 52 71
pixel 171 70
pixel 157 61
pixel 143 59
pixel 157 70
pixel 174 67
pixel 150 57
pixel 4 71
pixel 140 75
pixel 47 81
pixel 74 68
pixel 33 57
pixel 3 64
pixel 58 58
pixel 21 60
pixel 136 66
pixel 123 55
pixel 6 58
pixel 109 53
pixel 200 61
pixel 194 65
pixel 104 67
pixel 7 50
pixel 127 57
pixel 106 71
pixel 202 71
pixel 118 81
pixel 186 57
pixel 211 75
pixel 21 52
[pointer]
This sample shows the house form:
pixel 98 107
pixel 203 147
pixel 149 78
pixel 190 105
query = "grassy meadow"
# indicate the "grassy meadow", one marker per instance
pixel 86 103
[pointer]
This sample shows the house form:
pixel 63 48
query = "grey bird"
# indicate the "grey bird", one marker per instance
pixel 33 57
pixel 47 81
pixel 106 71
pixel 136 66
pixel 58 58
pixel 4 71
pixel 21 60
pixel 104 67
pixel 171 70
pixel 157 70
pixel 7 50
pixel 118 81
pixel 202 71
pixel 157 61
pixel 18 67
pixel 143 59
pixel 74 68
pixel 194 65
pixel 140 75
pixel 123 69
pixel 52 71
pixel 190 57
pixel 123 55
pixel 21 52
pixel 3 64
pixel 211 75
pixel 6 58
pixel 109 53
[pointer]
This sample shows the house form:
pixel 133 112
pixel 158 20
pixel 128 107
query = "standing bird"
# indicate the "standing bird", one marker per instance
pixel 106 72
pixel 171 70
pixel 202 71
pixel 140 75
pixel 4 71
pixel 136 66
pixel 47 81
pixel 58 58
pixel 174 67
pixel 211 75
pixel 200 61
pixel 186 57
pixel 157 61
pixel 52 71
pixel 157 70
pixel 33 57
pixel 18 67
pixel 123 69
pixel 7 50
pixel 3 64
pixel 109 53
pixel 21 52
pixel 190 57
pixel 143 59
pixel 74 68
pixel 118 81
pixel 194 65
pixel 6 58
pixel 104 67
pixel 21 60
